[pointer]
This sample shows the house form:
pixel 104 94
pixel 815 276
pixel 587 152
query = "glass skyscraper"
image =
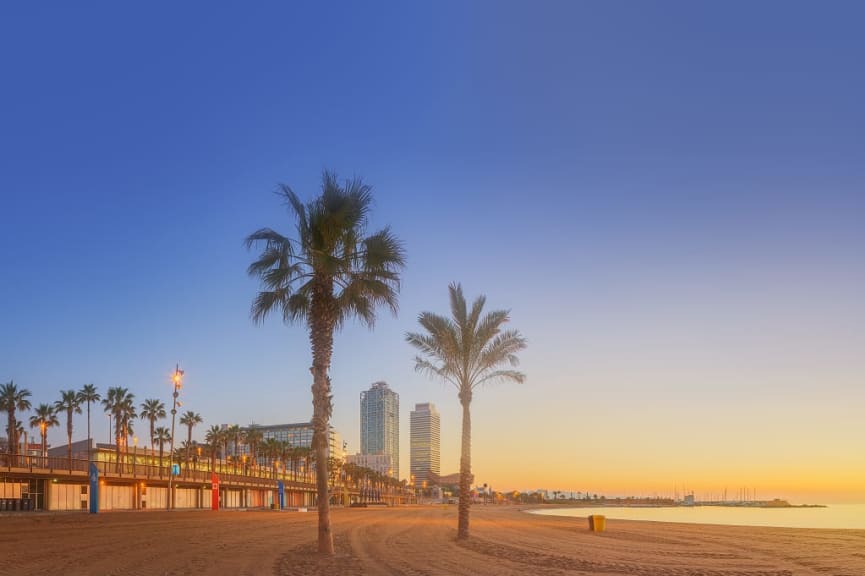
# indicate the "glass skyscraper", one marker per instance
pixel 379 423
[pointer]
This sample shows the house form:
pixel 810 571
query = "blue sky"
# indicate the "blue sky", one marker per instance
pixel 669 197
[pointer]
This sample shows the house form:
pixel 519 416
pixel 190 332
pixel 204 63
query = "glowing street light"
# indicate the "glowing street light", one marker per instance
pixel 44 450
pixel 177 380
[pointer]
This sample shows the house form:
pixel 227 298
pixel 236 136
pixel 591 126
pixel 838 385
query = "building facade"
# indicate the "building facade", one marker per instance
pixel 298 435
pixel 379 423
pixel 425 448
pixel 381 463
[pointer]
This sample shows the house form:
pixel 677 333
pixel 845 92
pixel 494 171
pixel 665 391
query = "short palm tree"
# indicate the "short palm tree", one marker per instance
pixel 44 418
pixel 467 350
pixel 270 449
pixel 234 435
pixel 214 440
pixel 119 402
pixel 152 410
pixel 253 437
pixel 13 399
pixel 19 430
pixel 190 419
pixel 328 273
pixel 88 395
pixel 161 436
pixel 71 404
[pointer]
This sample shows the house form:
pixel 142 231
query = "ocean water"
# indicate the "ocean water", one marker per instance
pixel 833 516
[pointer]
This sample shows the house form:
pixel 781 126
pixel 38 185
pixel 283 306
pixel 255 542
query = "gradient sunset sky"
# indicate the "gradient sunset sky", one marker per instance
pixel 668 196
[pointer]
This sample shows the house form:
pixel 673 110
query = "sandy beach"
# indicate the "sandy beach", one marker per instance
pixel 411 540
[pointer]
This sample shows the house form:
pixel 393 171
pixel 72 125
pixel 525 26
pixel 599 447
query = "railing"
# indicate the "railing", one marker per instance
pixel 139 467
pixel 133 467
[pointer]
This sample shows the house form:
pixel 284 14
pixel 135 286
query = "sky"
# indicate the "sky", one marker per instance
pixel 669 197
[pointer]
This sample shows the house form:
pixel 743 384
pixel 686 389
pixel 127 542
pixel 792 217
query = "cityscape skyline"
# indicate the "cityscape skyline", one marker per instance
pixel 680 187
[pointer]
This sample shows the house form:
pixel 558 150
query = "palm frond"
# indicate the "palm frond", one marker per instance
pixel 265 302
pixel 458 303
pixel 512 375
pixel 383 251
pixel 427 367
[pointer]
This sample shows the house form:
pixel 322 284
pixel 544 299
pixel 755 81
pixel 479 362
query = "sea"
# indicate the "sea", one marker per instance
pixel 832 516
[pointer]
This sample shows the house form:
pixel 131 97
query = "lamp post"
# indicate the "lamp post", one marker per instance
pixel 177 380
pixel 134 453
pixel 44 451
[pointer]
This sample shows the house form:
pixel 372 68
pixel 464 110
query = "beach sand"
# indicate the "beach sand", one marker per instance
pixel 410 540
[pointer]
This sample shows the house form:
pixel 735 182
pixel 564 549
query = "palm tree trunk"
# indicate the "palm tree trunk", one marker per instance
pixel 88 437
pixel 465 469
pixel 322 320
pixel 117 442
pixel 321 412
pixel 13 432
pixel 69 436
pixel 188 444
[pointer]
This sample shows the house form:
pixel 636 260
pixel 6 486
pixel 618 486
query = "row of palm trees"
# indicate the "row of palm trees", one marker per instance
pixel 118 403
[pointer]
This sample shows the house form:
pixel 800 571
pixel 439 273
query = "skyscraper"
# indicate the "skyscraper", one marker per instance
pixel 425 428
pixel 379 423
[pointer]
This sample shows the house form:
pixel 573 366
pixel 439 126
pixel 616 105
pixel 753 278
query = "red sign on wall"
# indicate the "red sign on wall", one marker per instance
pixel 214 493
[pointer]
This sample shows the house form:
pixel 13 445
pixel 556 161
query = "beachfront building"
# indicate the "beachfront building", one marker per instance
pixel 297 435
pixel 379 424
pixel 381 463
pixel 425 444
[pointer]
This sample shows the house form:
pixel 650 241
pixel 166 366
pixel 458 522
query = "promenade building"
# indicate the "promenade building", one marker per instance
pixel 425 444
pixel 379 424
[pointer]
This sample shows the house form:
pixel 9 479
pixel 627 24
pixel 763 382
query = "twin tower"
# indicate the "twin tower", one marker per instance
pixel 379 435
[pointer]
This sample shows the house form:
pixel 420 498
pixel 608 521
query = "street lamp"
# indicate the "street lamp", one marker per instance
pixel 177 380
pixel 134 453
pixel 44 451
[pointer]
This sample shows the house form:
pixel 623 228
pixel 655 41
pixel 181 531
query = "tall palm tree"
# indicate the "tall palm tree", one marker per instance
pixel 190 419
pixel 328 273
pixel 88 395
pixel 161 436
pixel 152 410
pixel 71 404
pixel 467 350
pixel 13 399
pixel 44 418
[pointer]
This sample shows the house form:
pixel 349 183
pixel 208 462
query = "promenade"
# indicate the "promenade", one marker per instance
pixel 135 482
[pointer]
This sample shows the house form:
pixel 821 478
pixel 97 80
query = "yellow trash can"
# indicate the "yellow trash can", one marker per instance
pixel 597 523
